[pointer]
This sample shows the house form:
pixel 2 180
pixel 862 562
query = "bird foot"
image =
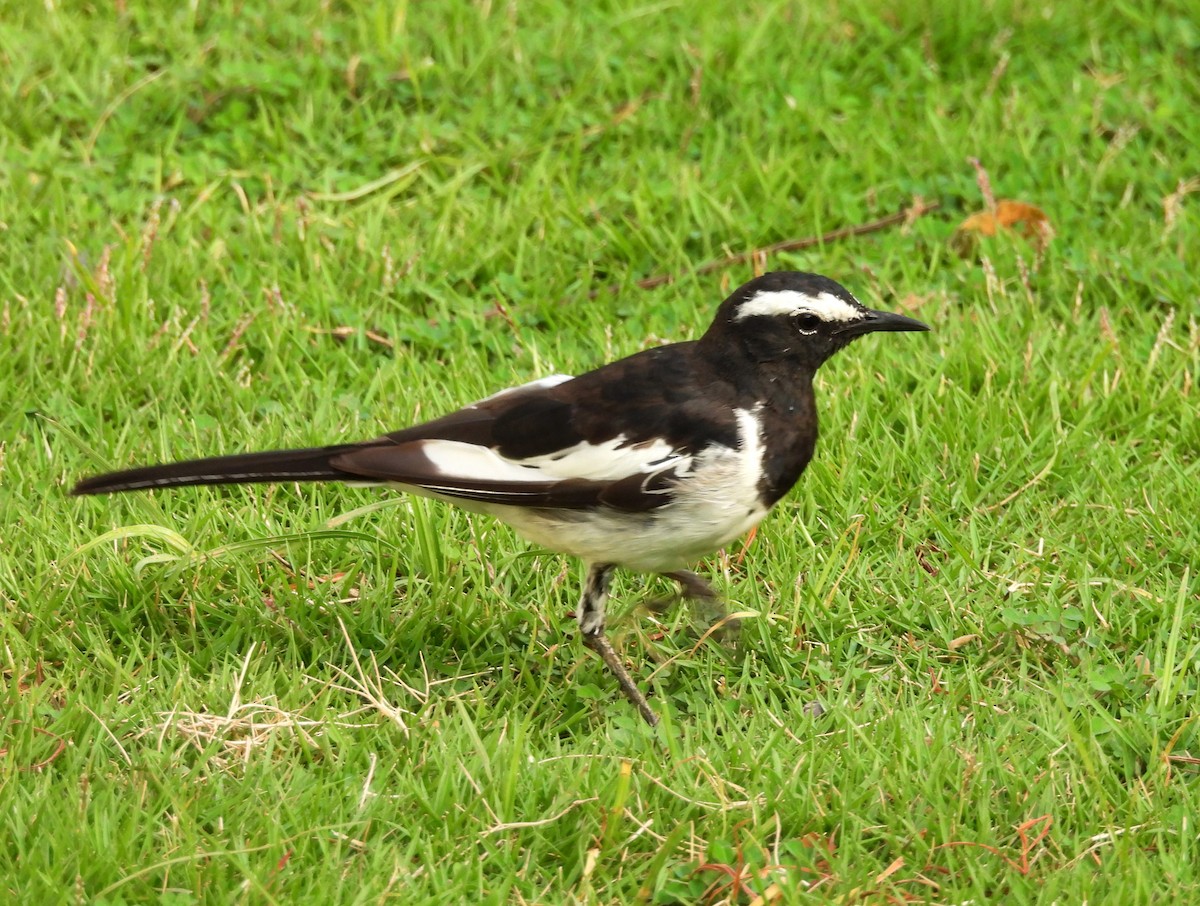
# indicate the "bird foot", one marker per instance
pixel 599 644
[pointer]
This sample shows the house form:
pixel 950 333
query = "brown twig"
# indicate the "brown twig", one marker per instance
pixel 919 208
pixel 41 765
pixel 1040 824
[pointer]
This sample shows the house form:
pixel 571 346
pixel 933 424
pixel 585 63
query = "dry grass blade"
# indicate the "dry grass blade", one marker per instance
pixel 370 686
pixel 541 822
pixel 239 734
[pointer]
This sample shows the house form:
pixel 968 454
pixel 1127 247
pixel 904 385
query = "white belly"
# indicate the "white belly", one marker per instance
pixel 716 502
pixel 668 540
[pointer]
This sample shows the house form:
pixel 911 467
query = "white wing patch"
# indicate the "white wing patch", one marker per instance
pixel 714 501
pixel 458 464
pixel 788 302
pixel 609 461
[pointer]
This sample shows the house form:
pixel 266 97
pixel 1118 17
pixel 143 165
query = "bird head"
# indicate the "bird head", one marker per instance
pixel 797 317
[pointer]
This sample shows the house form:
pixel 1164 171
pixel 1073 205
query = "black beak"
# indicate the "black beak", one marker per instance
pixel 881 320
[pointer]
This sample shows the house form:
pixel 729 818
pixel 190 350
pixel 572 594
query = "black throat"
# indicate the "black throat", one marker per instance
pixel 781 390
pixel 789 427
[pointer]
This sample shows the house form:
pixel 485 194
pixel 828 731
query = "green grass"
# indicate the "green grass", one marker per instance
pixel 989 575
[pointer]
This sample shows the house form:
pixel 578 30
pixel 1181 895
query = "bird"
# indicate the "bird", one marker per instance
pixel 646 464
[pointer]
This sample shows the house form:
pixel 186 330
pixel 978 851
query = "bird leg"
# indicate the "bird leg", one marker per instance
pixel 709 610
pixel 694 586
pixel 591 626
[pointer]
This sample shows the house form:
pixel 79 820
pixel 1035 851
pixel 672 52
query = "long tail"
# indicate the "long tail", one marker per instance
pixel 311 464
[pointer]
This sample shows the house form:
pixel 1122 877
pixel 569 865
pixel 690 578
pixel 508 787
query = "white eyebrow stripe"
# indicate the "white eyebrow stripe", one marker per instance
pixel 825 306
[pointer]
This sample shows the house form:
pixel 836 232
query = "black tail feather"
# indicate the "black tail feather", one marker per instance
pixel 311 464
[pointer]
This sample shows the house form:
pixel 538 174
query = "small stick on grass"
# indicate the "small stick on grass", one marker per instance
pixel 919 208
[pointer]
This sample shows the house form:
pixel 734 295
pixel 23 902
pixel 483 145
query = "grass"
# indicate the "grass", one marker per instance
pixel 229 226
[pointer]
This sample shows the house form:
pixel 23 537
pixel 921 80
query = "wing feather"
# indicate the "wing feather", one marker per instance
pixel 520 447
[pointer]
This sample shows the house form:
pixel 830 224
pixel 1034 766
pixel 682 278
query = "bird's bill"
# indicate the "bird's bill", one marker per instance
pixel 881 320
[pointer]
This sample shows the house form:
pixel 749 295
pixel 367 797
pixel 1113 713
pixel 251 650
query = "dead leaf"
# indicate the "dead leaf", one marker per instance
pixel 770 895
pixel 890 870
pixel 1030 220
pixel 1016 216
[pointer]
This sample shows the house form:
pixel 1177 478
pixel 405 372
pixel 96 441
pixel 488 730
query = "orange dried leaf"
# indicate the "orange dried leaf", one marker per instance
pixel 983 223
pixel 1030 220
pixel 1016 216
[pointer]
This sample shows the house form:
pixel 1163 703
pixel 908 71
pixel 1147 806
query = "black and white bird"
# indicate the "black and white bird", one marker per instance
pixel 647 463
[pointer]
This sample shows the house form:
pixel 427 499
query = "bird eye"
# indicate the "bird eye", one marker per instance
pixel 807 321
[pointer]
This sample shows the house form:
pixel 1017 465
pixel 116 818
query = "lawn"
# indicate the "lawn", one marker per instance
pixel 227 226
